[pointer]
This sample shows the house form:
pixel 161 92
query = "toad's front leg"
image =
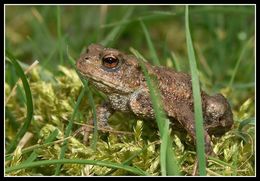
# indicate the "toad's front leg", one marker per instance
pixel 103 112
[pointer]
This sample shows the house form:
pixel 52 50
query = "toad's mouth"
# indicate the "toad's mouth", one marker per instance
pixel 103 84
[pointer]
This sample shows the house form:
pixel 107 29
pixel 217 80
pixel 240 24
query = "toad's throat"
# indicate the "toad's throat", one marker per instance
pixel 106 86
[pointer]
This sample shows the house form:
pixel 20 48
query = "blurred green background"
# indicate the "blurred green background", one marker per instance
pixel 223 38
pixel 219 34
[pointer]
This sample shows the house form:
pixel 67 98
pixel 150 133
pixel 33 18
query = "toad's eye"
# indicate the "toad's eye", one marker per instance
pixel 110 62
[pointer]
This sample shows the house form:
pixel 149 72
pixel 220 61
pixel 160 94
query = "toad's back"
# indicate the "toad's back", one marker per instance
pixel 175 88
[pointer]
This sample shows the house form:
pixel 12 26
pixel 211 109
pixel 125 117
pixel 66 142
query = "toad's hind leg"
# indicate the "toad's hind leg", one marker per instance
pixel 185 116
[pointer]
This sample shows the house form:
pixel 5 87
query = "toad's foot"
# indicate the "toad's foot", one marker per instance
pixel 103 112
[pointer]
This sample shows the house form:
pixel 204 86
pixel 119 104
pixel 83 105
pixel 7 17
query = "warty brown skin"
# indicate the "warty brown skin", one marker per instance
pixel 120 77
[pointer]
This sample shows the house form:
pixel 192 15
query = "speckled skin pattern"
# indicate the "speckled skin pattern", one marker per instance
pixel 127 91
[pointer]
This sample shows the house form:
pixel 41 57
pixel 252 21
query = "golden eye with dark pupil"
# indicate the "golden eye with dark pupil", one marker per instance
pixel 110 62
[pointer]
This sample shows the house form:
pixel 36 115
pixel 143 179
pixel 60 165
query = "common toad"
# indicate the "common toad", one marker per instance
pixel 120 77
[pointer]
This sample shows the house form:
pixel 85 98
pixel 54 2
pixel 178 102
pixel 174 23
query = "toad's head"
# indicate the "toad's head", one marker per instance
pixel 110 70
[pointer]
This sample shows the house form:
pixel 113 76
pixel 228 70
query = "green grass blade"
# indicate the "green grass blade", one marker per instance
pixel 197 99
pixel 161 119
pixel 159 113
pixel 68 130
pixel 91 102
pixel 114 34
pixel 29 104
pixel 31 158
pixel 36 49
pixel 220 162
pixel 49 57
pixel 152 50
pixel 246 122
pixel 175 61
pixel 76 161
pixel 163 148
pixel 59 35
pixel 92 105
pixel 37 146
pixel 172 164
pixel 40 28
pixel 239 61
pixel 34 155
pixel 128 161
pixel 235 160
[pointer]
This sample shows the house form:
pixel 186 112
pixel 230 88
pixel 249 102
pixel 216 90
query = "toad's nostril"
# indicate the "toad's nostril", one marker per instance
pixel 80 62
